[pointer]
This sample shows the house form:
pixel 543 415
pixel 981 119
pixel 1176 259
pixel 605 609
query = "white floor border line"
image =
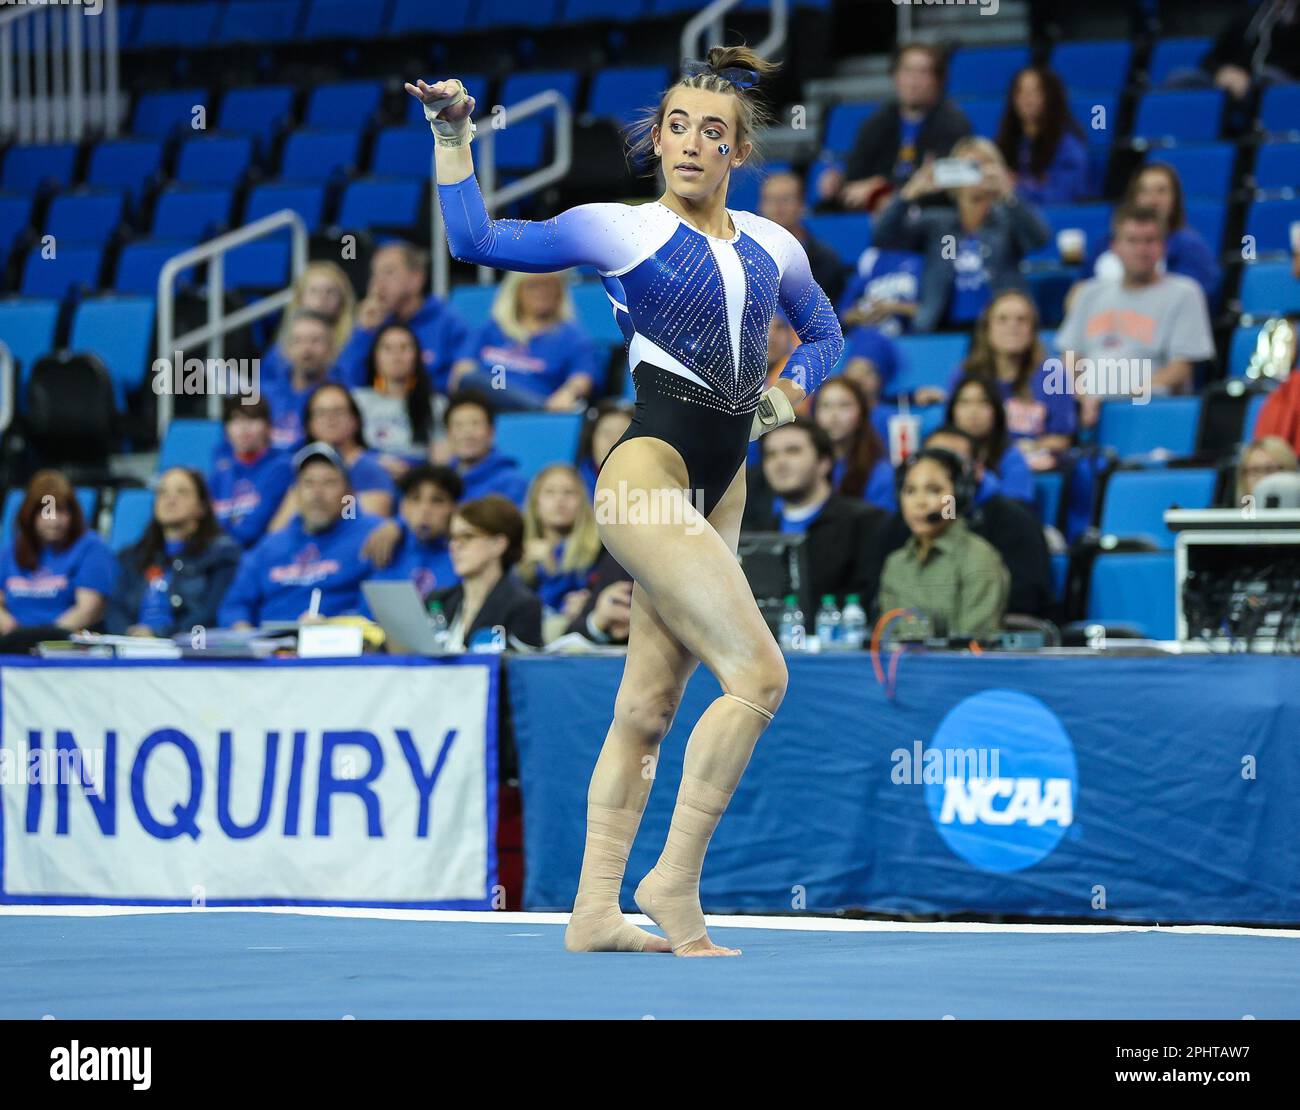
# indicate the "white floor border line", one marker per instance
pixel 793 924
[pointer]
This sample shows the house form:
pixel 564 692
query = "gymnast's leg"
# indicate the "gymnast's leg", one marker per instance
pixel 654 676
pixel 693 580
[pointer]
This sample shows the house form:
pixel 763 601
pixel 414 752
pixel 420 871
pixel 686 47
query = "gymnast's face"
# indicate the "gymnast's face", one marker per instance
pixel 697 125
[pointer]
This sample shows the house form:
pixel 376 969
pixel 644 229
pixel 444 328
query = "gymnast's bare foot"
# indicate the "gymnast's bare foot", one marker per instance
pixel 677 913
pixel 606 930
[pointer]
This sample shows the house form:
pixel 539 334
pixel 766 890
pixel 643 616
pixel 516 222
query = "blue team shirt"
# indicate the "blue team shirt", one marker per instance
pixel 542 364
pixel 879 490
pixel 971 285
pixel 246 494
pixel 39 596
pixel 286 405
pixel 428 565
pixel 438 327
pixel 276 578
pixel 366 473
pixel 1040 414
pixel 493 473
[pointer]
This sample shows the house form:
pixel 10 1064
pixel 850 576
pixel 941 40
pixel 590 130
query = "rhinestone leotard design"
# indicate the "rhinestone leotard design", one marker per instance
pixel 694 311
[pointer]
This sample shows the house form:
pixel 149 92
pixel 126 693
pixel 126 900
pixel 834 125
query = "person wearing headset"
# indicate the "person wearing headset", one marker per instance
pixel 944 570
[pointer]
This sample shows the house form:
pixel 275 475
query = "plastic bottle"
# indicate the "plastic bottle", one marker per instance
pixel 792 626
pixel 828 624
pixel 438 622
pixel 854 628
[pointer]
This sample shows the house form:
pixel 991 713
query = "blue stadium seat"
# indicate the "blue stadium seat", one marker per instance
pixel 215 160
pixel 476 84
pixel 1279 110
pixel 621 93
pixel 985 70
pixel 984 114
pixel 1240 347
pixel 159 115
pixel 447 18
pixel 343 104
pixel 403 151
pixel 132 511
pixel 1134 588
pixel 261 264
pixel 1169 55
pixel 1092 219
pixel 843 122
pixel 140 263
pixel 307 200
pixel 846 233
pixel 520 146
pixel 27 168
pixel 124 164
pixel 536 439
pixel 1097 114
pixel 1048 485
pixel 318 155
pixel 511 13
pixel 595 313
pixel 84 216
pixel 1167 423
pixel 1277 168
pixel 1093 64
pixel 929 360
pixel 191 213
pixel 747 185
pixel 259 21
pixel 258 112
pixel 15 215
pixel 1184 116
pixel 175 25
pixel 387 202
pixel 1208 217
pixel 1205 171
pixel 1269 221
pixel 1268 289
pixel 1135 501
pixel 119 330
pixel 473 302
pixel 27 328
pixel 189 443
pixel 70 268
pixel 343 19
pixel 604 11
pixel 1253 406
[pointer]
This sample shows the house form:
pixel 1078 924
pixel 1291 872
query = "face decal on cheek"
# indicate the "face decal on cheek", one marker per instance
pixel 724 149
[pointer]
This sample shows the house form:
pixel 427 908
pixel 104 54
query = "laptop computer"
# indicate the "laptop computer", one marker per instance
pixel 400 611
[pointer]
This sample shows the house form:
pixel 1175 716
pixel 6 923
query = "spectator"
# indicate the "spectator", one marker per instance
pixel 1144 319
pixel 604 425
pixel 943 570
pixel 396 295
pixel 781 201
pixel 797 462
pixel 1255 47
pixel 862 469
pixel 56 575
pixel 972 249
pixel 606 617
pixel 415 545
pixel 311 354
pixel 1042 140
pixel 782 340
pixel 323 287
pixel 1009 525
pixel 1157 185
pixel 398 412
pixel 250 477
pixel 331 416
pixel 319 549
pixel 976 409
pixel 877 307
pixel 1005 349
pixel 891 143
pixel 533 354
pixel 561 545
pixel 1267 455
pixel 175 576
pixel 471 439
pixel 489 607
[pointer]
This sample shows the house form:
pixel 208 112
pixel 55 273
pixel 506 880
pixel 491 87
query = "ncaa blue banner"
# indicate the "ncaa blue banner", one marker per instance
pixel 1138 789
pixel 284 782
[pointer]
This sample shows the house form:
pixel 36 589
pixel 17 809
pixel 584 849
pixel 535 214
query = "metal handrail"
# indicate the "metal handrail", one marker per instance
pixel 6 386
pixel 214 253
pixel 555 170
pixel 711 18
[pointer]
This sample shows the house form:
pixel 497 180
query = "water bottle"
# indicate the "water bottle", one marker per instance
pixel 828 624
pixel 438 622
pixel 792 629
pixel 855 624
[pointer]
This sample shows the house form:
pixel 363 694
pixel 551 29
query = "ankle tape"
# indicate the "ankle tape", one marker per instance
pixel 756 708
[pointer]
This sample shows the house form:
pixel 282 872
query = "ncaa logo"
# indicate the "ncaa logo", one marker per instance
pixel 1013 821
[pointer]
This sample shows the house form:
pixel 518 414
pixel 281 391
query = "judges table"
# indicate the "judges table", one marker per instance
pixel 1132 788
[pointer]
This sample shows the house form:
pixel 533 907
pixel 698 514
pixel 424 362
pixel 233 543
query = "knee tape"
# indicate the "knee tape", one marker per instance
pixel 755 707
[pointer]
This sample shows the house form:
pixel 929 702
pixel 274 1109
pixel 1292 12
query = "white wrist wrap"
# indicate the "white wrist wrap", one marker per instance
pixel 445 133
pixel 773 410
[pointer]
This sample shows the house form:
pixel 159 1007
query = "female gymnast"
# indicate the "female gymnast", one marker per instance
pixel 693 285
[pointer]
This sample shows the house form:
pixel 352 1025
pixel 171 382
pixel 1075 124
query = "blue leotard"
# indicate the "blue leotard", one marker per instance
pixel 694 310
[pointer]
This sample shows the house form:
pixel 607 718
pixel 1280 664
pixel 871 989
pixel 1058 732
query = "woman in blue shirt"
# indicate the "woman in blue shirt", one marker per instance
pixel 532 354
pixel 249 477
pixel 57 574
pixel 1042 140
pixel 976 409
pixel 176 575
pixel 561 544
pixel 862 468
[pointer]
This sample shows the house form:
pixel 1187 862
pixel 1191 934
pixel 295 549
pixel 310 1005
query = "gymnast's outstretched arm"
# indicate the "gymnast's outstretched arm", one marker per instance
pixel 590 234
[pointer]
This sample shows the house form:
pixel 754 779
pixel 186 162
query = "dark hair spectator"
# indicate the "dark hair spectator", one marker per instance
pixel 1040 138
pixel 976 408
pixel 862 469
pixel 249 477
pixel 602 426
pixel 397 407
pixel 471 438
